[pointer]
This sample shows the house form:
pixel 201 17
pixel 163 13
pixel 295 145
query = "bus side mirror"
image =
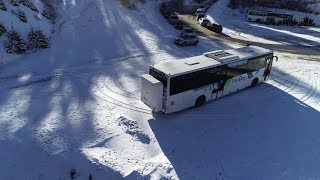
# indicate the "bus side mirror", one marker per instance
pixel 276 58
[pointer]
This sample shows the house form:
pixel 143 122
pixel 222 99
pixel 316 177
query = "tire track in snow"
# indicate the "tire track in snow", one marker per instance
pixel 283 81
pixel 112 100
pixel 100 90
pixel 291 85
pixel 311 90
pixel 131 96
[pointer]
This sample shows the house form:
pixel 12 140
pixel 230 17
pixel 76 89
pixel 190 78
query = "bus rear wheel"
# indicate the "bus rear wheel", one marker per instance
pixel 200 101
pixel 254 82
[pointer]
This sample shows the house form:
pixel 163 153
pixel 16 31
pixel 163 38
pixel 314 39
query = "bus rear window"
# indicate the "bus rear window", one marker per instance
pixel 158 76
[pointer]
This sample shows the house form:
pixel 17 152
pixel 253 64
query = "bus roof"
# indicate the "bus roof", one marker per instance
pixel 210 59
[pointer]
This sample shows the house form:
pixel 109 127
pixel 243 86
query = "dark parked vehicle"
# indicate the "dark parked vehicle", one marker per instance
pixel 200 15
pixel 186 31
pixel 204 21
pixel 173 18
pixel 307 22
pixel 200 10
pixel 187 39
pixel 214 27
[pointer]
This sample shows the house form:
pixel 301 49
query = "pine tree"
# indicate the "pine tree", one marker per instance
pixel 22 16
pixel 29 4
pixel 15 43
pixel 15 2
pixel 2 29
pixel 37 40
pixel 49 10
pixel 3 6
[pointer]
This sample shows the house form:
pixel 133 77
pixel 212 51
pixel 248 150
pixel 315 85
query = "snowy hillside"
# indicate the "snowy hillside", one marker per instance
pixel 24 15
pixel 73 111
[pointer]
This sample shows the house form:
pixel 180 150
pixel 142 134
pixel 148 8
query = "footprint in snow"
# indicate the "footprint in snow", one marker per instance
pixel 132 128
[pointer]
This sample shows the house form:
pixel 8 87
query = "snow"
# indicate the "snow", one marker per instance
pixel 77 106
pixel 238 28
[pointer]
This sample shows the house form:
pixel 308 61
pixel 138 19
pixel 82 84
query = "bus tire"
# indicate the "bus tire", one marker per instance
pixel 200 101
pixel 254 82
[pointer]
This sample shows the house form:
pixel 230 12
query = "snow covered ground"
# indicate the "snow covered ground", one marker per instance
pixel 76 106
pixel 234 25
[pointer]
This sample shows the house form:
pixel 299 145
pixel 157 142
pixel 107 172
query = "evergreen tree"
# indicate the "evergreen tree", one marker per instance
pixel 29 4
pixel 2 29
pixel 15 2
pixel 3 6
pixel 37 40
pixel 22 16
pixel 15 43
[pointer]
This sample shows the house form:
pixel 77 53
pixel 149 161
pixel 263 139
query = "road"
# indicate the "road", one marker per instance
pixel 294 49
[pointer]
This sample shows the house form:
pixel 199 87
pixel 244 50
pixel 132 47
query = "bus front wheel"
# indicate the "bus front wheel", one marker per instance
pixel 254 82
pixel 200 101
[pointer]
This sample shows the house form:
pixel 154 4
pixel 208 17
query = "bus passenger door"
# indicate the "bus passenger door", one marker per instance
pixel 267 71
pixel 217 90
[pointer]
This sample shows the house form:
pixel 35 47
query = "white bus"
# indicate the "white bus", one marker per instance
pixel 265 16
pixel 257 16
pixel 176 85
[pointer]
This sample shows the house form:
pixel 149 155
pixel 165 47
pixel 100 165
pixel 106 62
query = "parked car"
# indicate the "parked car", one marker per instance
pixel 179 24
pixel 200 15
pixel 200 10
pixel 173 18
pixel 186 31
pixel 307 22
pixel 187 39
pixel 204 21
pixel 214 27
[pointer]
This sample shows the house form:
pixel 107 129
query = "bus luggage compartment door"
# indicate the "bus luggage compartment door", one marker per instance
pixel 152 92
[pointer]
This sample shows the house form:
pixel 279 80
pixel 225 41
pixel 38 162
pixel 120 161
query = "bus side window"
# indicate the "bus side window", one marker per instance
pixel 256 64
pixel 217 74
pixel 183 83
pixel 236 71
pixel 243 69
pixel 178 84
